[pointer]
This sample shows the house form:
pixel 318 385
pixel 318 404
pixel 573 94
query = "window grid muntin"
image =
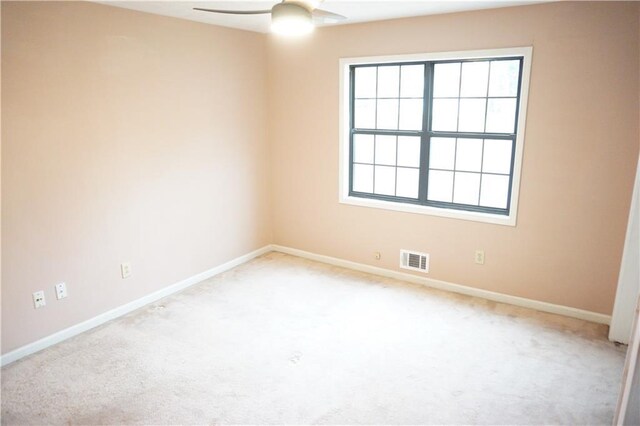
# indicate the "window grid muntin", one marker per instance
pixel 376 162
pixel 488 84
pixel 454 169
pixel 426 134
pixel 399 98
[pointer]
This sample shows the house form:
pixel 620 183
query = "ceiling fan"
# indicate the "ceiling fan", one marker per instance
pixel 288 17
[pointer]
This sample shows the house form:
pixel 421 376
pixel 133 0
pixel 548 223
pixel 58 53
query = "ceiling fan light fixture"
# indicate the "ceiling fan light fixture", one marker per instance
pixel 291 19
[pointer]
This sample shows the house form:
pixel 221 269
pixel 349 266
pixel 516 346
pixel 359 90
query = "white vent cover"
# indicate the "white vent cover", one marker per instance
pixel 414 261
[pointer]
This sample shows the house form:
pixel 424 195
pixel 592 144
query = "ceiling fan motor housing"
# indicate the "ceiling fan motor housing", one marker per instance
pixel 290 10
pixel 290 15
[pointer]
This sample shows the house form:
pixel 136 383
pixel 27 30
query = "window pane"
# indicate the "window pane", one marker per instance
pixel 363 149
pixel 385 180
pixel 472 115
pixel 469 155
pixel 386 150
pixel 442 153
pixel 365 82
pixel 387 114
pixel 362 178
pixel 388 82
pixel 495 190
pixel 411 114
pixel 440 186
pixel 475 78
pixel 408 182
pixel 412 81
pixel 365 114
pixel 503 80
pixel 501 114
pixel 409 151
pixel 446 80
pixel 467 188
pixel 445 115
pixel 497 156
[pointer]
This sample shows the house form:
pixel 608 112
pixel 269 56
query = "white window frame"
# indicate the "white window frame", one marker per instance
pixel 344 110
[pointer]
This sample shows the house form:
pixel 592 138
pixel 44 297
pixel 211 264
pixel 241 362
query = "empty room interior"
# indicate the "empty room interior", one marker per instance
pixel 320 212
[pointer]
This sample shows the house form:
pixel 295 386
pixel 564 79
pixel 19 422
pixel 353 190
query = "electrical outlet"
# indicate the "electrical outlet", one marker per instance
pixel 125 269
pixel 377 255
pixel 61 291
pixel 480 257
pixel 38 299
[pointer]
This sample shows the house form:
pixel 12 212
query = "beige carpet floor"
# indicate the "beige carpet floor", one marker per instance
pixel 285 340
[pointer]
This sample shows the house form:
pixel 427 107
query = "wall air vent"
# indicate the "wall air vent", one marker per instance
pixel 414 261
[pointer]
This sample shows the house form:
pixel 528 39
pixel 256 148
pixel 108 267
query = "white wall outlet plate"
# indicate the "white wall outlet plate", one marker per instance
pixel 61 291
pixel 125 269
pixel 480 257
pixel 38 299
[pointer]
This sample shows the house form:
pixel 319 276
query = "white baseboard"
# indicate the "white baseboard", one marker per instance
pixel 455 288
pixel 179 286
pixel 125 309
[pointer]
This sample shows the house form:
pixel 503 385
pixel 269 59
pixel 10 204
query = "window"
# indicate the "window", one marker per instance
pixel 438 135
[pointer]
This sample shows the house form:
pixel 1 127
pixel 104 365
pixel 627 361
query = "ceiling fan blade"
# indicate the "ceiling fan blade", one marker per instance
pixel 325 15
pixel 235 12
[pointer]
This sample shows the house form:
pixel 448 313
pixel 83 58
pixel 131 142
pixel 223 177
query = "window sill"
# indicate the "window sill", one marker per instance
pixel 431 211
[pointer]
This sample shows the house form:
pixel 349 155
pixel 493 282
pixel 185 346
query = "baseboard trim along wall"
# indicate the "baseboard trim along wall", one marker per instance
pixel 455 288
pixel 127 308
pixel 74 330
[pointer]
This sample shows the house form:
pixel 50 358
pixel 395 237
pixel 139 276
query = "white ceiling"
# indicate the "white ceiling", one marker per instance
pixel 354 10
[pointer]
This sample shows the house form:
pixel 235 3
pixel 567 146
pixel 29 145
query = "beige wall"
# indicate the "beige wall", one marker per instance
pixel 581 148
pixel 126 137
pixel 134 137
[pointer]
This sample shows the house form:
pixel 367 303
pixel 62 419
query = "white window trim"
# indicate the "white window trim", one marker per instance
pixel 343 190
